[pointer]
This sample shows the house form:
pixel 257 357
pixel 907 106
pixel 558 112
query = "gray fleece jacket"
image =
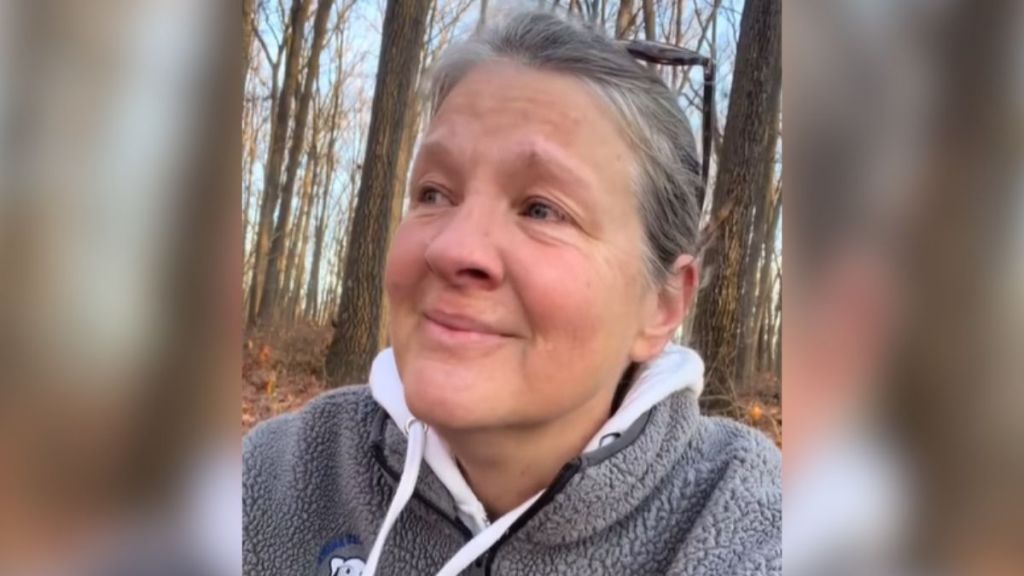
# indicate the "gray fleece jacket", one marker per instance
pixel 664 490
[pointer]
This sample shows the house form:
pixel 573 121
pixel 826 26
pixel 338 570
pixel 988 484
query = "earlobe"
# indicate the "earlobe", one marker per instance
pixel 672 303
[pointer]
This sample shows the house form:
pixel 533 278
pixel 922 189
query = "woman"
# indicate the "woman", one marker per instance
pixel 543 265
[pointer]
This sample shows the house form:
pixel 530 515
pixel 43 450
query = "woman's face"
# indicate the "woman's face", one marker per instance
pixel 516 281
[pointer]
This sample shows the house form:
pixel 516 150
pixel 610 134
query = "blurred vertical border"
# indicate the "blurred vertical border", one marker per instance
pixel 119 265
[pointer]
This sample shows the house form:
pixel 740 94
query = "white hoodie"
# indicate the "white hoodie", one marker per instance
pixel 676 368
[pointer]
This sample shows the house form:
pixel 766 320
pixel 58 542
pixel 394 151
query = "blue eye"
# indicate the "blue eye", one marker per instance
pixel 432 196
pixel 537 210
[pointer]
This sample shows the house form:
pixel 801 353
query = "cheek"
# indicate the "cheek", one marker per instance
pixel 574 301
pixel 405 265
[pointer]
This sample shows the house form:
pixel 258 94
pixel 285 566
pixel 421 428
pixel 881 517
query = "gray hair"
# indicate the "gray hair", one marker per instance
pixel 666 172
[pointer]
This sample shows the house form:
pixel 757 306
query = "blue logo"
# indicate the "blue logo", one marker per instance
pixel 343 556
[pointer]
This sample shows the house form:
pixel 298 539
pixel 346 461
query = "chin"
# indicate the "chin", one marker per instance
pixel 447 398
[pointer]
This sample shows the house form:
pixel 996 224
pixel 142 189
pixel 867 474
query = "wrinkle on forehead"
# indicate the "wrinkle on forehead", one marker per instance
pixel 504 95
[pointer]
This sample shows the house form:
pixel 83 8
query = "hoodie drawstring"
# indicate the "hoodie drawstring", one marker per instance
pixel 417 433
pixel 478 545
pixel 484 540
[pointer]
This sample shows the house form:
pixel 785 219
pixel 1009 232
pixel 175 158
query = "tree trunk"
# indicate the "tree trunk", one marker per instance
pixel 650 32
pixel 356 335
pixel 313 288
pixel 624 21
pixel 269 309
pixel 275 159
pixel 296 268
pixel 777 334
pixel 766 287
pixel 247 24
pixel 744 172
pixel 253 134
pixel 756 250
pixel 341 254
pixel 481 23
pixel 293 240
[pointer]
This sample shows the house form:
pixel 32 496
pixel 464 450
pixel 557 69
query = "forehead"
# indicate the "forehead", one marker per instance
pixel 507 100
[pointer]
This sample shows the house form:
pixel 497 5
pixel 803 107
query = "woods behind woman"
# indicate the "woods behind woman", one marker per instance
pixel 532 415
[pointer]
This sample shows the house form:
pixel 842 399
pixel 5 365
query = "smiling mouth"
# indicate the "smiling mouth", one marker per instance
pixel 451 331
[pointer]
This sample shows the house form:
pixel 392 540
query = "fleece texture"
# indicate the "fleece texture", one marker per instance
pixel 676 493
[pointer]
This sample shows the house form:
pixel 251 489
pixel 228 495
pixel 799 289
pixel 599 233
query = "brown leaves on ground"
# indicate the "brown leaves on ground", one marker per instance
pixel 762 407
pixel 281 371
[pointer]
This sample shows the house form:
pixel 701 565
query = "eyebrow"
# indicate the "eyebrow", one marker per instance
pixel 554 165
pixel 535 156
pixel 437 150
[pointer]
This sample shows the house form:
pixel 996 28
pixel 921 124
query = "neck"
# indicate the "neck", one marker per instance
pixel 506 466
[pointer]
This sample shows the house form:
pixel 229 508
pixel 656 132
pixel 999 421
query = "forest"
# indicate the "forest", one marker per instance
pixel 332 112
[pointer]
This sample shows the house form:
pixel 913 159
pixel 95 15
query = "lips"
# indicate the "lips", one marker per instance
pixel 461 323
pixel 459 330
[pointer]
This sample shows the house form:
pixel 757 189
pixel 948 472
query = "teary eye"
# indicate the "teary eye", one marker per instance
pixel 538 210
pixel 430 196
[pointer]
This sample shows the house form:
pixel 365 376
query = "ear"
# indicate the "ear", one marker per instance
pixel 666 308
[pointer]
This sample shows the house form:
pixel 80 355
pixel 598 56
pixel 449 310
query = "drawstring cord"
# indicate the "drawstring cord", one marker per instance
pixel 417 437
pixel 416 432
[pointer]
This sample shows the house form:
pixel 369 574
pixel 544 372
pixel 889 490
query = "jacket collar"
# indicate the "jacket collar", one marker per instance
pixel 663 398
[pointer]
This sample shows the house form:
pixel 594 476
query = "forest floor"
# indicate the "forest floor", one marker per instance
pixel 282 371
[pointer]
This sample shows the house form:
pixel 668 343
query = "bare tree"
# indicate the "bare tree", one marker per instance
pixel 298 240
pixel 624 21
pixel 649 20
pixel 767 288
pixel 268 309
pixel 743 177
pixel 756 269
pixel 247 26
pixel 275 160
pixel 356 335
pixel 313 288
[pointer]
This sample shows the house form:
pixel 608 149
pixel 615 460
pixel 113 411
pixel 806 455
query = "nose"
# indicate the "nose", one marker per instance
pixel 464 253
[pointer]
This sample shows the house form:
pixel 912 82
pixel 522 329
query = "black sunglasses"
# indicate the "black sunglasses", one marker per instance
pixel 669 55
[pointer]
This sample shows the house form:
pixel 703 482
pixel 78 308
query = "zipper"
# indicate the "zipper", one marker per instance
pixel 560 482
pixel 378 455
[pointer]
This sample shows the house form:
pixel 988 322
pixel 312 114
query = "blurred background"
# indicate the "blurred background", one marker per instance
pixel 131 291
pixel 119 312
pixel 904 296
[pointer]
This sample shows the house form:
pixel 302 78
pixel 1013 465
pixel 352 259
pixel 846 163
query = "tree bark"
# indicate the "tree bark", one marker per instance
pixel 247 24
pixel 275 159
pixel 296 268
pixel 650 32
pixel 269 307
pixel 341 254
pixel 766 287
pixel 356 335
pixel 757 249
pixel 313 288
pixel 624 21
pixel 252 136
pixel 744 172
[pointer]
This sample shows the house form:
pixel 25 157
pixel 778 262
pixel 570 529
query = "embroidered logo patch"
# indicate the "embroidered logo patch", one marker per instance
pixel 343 556
pixel 347 567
